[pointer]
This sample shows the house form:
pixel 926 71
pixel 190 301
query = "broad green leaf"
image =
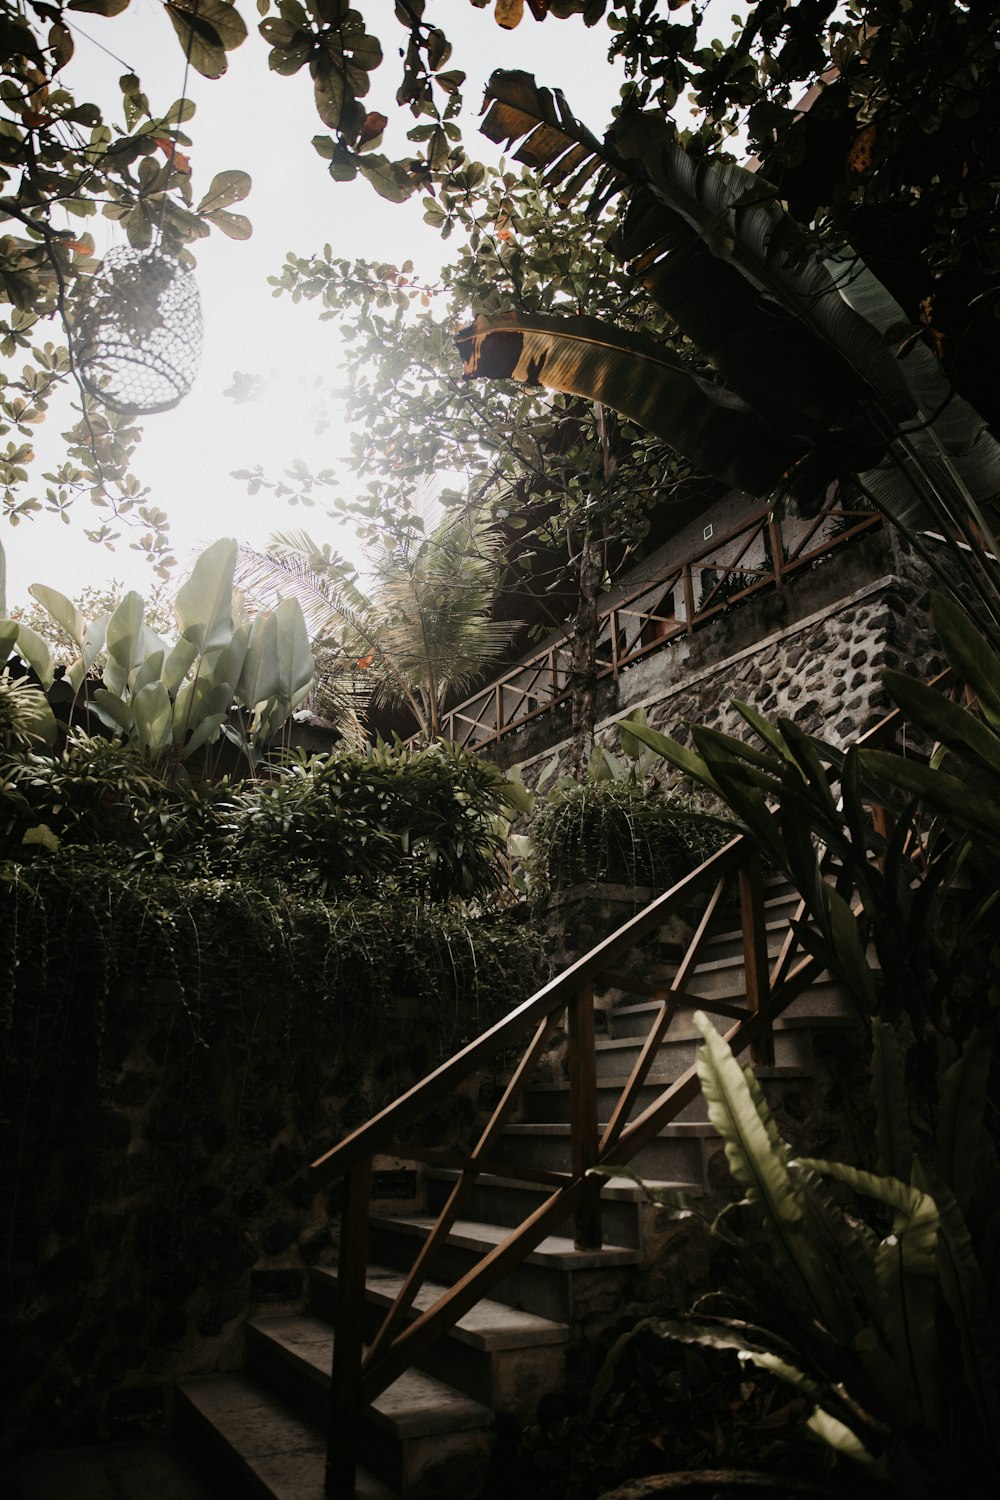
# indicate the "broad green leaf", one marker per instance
pixel 295 659
pixel 149 672
pixel 965 1291
pixel 112 710
pixel 906 1269
pixel 892 1121
pixel 207 29
pixel 961 1116
pixel 758 1159
pixel 179 661
pixel 850 950
pixel 969 653
pixel 152 714
pixel 631 746
pixel 948 722
pixel 62 610
pixel 675 754
pixel 942 792
pixel 35 650
pixel 8 636
pixel 225 189
pixel 259 678
pixel 636 376
pixel 836 1434
pixel 208 728
pixel 227 664
pixel 124 643
pixel 42 835
pixel 204 604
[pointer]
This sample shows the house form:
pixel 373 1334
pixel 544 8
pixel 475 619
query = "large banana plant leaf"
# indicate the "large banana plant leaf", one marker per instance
pixel 809 346
pixel 638 377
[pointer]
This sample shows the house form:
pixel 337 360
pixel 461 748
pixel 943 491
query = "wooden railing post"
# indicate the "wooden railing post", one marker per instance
pixel 583 1113
pixel 688 599
pixel 777 548
pixel 755 962
pixel 345 1386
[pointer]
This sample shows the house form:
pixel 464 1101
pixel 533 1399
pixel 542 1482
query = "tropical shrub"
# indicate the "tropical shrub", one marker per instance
pixel 872 1289
pixel 428 822
pixel 225 675
pixel 421 820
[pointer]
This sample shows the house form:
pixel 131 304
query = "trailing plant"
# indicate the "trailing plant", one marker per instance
pixel 615 824
pixel 873 1289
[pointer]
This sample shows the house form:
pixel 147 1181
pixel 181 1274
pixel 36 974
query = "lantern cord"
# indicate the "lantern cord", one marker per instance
pixel 184 83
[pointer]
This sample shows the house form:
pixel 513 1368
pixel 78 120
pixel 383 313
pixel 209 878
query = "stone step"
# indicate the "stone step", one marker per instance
pixel 554 1281
pixel 674 1156
pixel 549 1103
pixel 826 997
pixel 502 1357
pixel 421 1437
pixel 497 1200
pixel 792 1047
pixel 249 1444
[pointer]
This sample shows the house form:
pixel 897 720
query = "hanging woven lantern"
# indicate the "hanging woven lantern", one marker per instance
pixel 137 336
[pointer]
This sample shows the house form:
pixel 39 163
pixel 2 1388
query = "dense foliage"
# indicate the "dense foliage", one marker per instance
pixel 619 831
pixel 388 819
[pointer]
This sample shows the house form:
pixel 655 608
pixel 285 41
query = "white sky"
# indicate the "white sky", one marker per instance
pixel 260 122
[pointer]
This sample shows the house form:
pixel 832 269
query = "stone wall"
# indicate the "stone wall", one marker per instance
pixel 154 1159
pixel 812 651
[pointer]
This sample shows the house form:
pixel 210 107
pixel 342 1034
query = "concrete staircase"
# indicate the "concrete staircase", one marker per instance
pixel 262 1433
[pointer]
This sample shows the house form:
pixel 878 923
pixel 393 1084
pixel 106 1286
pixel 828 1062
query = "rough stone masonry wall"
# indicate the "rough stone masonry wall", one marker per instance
pixel 813 652
pixel 157 1188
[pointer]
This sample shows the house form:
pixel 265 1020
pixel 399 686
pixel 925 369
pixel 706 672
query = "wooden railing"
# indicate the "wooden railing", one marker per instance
pixel 734 872
pixel 681 600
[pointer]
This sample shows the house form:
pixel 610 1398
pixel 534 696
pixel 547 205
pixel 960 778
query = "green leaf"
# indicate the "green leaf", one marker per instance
pixel 62 610
pixel 969 653
pixel 389 179
pixel 758 1159
pixel 207 29
pixel 892 1121
pixel 124 641
pixel 948 722
pixel 112 710
pixel 259 678
pixel 152 714
pixel 636 376
pixel 204 604
pixel 35 650
pixel 941 791
pixel 225 188
pixel 967 1296
pixel 961 1116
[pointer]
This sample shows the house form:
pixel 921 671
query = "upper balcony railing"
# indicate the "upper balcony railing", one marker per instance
pixel 758 554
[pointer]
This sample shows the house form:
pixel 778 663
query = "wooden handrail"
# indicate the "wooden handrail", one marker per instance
pixel 372 1136
pixel 484 716
pixel 595 1151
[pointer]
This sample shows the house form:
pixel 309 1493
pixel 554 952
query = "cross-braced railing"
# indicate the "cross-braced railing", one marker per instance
pixel 759 553
pixel 730 876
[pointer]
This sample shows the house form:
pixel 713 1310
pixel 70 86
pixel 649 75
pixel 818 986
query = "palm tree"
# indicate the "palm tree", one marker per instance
pixel 421 633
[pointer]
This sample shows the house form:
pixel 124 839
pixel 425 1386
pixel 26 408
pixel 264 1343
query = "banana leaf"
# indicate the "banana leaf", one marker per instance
pixel 968 1298
pixel 644 380
pixel 892 1122
pixel 906 1271
pixel 758 1159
